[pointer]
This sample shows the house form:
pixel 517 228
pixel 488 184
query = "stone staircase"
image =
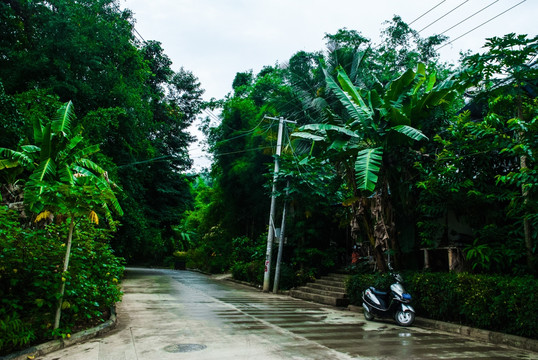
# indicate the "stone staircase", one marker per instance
pixel 329 290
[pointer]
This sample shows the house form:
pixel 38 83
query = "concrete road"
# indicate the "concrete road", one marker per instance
pixel 168 314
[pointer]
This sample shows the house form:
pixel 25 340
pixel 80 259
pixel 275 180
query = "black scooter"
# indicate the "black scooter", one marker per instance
pixel 392 304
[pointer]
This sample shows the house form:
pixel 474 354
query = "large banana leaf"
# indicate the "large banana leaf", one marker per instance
pixel 64 116
pixel 38 131
pixel 367 167
pixel 17 156
pixel 8 164
pixel 361 113
pixel 307 135
pixel 349 88
pixel 322 128
pixel 46 168
pixel 410 132
pixel 66 175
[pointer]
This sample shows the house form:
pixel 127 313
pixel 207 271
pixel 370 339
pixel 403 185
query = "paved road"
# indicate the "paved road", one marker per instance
pixel 168 314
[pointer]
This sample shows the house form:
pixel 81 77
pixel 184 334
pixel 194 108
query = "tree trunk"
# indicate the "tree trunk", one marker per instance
pixel 525 193
pixel 66 266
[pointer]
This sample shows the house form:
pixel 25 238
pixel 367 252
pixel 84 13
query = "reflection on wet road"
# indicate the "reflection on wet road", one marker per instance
pixel 239 309
pixel 169 315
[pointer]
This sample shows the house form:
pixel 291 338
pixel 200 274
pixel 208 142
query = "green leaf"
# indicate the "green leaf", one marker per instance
pixel 396 87
pixel 8 164
pixel 421 75
pixel 45 168
pixel 349 88
pixel 306 135
pixel 329 127
pixel 38 131
pixel 362 114
pixel 30 148
pixel 410 132
pixel 367 167
pixel 64 116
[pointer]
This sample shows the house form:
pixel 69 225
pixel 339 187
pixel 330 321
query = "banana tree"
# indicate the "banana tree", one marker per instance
pixel 63 180
pixel 365 133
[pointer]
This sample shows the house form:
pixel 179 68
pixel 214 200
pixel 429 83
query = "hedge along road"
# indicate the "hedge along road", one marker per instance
pixel 167 314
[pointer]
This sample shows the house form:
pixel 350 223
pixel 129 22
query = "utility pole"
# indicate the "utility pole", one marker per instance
pixel 281 241
pixel 271 232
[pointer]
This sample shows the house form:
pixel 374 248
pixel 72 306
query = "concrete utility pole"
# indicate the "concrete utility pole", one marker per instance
pixel 281 241
pixel 271 233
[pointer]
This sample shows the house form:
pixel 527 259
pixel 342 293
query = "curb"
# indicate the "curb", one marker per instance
pixel 55 345
pixel 487 336
pixel 280 292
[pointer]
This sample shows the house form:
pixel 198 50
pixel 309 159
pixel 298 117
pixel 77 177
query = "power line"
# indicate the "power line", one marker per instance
pixel 137 33
pixel 134 29
pixel 430 24
pixel 426 12
pixel 467 18
pixel 485 22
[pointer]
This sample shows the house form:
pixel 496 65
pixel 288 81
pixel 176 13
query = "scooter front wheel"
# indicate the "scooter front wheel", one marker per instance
pixel 368 315
pixel 404 318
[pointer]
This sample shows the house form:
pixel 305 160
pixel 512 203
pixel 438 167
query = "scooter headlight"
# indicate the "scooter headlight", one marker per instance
pixel 407 297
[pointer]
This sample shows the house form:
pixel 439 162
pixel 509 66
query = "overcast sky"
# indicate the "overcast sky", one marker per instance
pixel 215 39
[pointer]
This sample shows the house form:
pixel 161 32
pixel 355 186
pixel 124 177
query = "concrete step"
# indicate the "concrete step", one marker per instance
pixel 328 290
pixel 335 294
pixel 321 299
pixel 337 277
pixel 326 287
pixel 333 283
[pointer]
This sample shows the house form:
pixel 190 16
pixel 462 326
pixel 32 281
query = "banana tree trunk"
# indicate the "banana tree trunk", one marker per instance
pixel 66 266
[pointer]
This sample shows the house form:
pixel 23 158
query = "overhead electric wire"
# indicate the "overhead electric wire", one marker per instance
pixel 467 18
pixel 484 23
pixel 426 12
pixel 137 33
pixel 433 22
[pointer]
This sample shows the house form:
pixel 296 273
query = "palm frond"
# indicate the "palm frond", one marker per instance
pixel 64 117
pixel 367 167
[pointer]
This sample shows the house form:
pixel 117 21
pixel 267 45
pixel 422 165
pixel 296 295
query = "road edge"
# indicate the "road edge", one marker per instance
pixel 487 336
pixel 55 345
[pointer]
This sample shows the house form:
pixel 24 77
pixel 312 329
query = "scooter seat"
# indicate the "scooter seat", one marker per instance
pixel 377 292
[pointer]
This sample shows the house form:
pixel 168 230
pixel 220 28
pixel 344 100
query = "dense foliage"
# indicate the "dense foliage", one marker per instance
pixel 128 101
pixel 390 150
pixel 30 274
pixel 494 302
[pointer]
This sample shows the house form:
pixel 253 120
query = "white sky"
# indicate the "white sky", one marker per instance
pixel 215 39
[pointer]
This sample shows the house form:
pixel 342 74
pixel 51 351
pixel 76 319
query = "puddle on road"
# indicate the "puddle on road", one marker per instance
pixel 183 348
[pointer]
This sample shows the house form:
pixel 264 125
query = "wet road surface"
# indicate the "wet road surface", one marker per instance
pixel 167 314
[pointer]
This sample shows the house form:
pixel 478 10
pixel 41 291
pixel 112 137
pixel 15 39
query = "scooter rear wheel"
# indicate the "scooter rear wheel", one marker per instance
pixel 404 318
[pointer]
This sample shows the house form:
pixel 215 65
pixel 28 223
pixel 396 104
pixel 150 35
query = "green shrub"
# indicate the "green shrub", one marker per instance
pixel 30 276
pixel 492 302
pixel 251 272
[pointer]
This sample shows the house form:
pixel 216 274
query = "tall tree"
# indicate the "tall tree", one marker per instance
pixel 366 141
pixel 63 180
